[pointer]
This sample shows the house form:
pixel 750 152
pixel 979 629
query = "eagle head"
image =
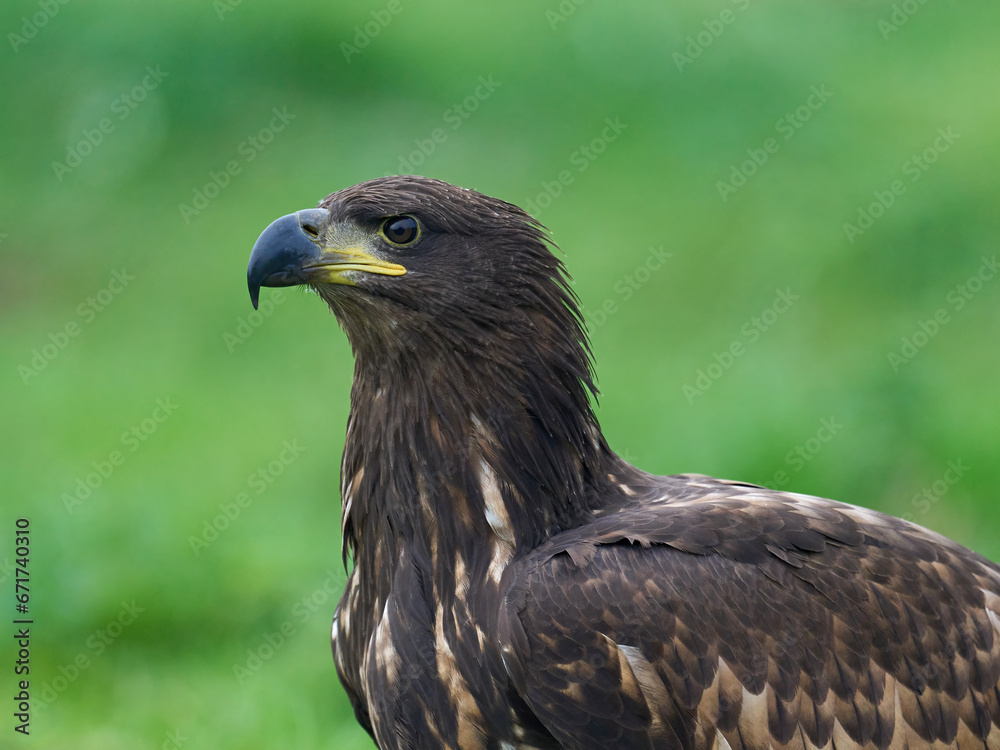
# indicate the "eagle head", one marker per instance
pixel 419 264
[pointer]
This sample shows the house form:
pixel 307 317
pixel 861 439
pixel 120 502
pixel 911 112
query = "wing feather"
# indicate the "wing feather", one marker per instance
pixel 756 620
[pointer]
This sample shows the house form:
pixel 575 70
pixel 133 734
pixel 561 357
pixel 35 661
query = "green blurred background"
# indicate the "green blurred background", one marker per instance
pixel 813 403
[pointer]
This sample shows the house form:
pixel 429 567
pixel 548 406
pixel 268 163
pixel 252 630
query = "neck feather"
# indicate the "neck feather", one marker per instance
pixel 476 449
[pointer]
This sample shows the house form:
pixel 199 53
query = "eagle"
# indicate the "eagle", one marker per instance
pixel 514 583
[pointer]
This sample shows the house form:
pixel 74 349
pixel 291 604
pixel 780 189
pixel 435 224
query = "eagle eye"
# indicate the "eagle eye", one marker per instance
pixel 400 230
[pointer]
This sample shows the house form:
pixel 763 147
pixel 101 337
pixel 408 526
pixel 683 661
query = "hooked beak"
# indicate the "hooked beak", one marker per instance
pixel 291 251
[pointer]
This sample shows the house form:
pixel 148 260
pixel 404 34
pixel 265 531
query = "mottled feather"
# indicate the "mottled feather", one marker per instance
pixel 863 639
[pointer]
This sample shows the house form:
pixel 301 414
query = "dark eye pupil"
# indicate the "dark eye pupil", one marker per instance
pixel 401 229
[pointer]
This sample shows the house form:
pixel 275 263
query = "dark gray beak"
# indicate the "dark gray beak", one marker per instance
pixel 283 249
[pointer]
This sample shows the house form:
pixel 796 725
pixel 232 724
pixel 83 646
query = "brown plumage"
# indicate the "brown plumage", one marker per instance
pixel 518 585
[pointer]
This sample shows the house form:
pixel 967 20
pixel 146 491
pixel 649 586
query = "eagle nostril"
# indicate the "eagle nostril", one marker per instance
pixel 310 229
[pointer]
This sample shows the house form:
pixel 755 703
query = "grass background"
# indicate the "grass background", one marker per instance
pixel 561 70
